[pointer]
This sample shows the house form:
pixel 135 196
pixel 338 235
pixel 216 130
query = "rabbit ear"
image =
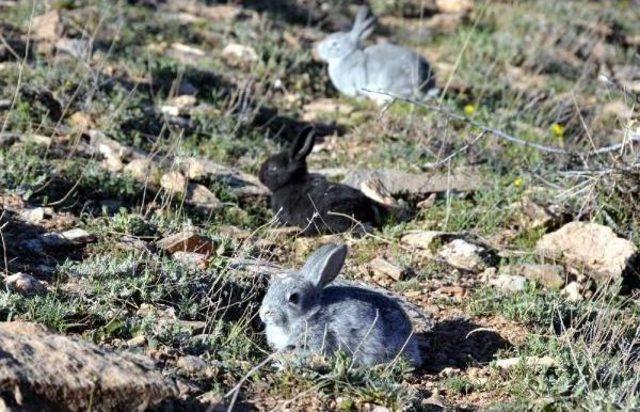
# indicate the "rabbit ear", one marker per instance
pixel 303 144
pixel 325 264
pixel 363 26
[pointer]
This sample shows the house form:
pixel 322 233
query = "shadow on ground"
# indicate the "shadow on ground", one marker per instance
pixel 459 343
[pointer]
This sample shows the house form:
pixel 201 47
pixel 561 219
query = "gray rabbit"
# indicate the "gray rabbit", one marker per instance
pixel 385 68
pixel 305 315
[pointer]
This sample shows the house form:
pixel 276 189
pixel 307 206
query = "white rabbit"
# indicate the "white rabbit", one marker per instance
pixel 378 72
pixel 304 314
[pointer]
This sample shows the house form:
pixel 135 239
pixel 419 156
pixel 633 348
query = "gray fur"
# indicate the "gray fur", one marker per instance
pixel 376 71
pixel 321 319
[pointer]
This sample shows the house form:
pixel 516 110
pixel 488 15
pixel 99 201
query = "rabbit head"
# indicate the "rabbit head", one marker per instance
pixel 289 165
pixel 295 296
pixel 339 45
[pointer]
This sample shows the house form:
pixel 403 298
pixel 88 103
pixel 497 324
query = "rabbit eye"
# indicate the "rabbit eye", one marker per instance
pixel 294 298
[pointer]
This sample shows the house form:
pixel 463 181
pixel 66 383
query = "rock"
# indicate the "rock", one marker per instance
pixel 191 259
pixel 114 152
pixel 200 196
pixel 418 184
pixel 72 237
pixel 137 341
pixel 532 215
pixel 185 49
pixel 144 170
pixel 549 276
pixel 174 182
pixel 35 215
pixel 324 107
pixel 572 292
pixel 509 283
pixel 80 121
pixel 79 48
pixel 426 240
pixel 186 241
pixel 374 189
pixel 454 6
pixel 239 55
pixel 382 267
pixel 589 246
pixel 48 26
pixel 191 364
pixel 179 105
pixel 45 371
pixel 463 255
pixel 217 12
pixel 24 284
pixel 528 361
pixel 617 108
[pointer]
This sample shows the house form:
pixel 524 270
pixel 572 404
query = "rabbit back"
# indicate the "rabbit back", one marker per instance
pixel 319 206
pixel 368 326
pixel 397 71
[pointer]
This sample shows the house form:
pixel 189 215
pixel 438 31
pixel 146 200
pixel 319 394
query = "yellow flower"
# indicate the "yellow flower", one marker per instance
pixel 557 130
pixel 469 110
pixel 518 182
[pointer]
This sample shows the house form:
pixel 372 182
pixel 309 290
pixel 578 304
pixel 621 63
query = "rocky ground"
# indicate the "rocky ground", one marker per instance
pixel 137 241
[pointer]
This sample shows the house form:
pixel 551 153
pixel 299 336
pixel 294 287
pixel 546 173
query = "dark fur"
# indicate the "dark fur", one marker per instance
pixel 306 200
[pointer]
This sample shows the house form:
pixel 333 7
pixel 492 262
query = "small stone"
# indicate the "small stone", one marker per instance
pixel 47 26
pixel 529 361
pixel 35 215
pixel 70 237
pixel 454 6
pixel 191 259
pixel 137 341
pixel 80 121
pixel 463 255
pixel 191 364
pixel 186 241
pixel 239 55
pixel 382 267
pixel 78 48
pixel 549 276
pixel 426 240
pixel 188 50
pixel 572 292
pixel 144 170
pixel 509 283
pixel 174 182
pixel 200 196
pixel 24 284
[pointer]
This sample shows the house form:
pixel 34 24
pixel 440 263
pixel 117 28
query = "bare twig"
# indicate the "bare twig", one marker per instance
pixel 513 139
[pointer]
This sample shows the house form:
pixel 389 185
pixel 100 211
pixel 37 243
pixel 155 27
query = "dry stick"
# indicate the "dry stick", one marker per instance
pixel 508 137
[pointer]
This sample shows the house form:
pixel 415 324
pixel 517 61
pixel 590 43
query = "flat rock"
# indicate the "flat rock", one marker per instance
pixel 549 276
pixel 382 267
pixel 417 184
pixel 509 283
pixel 24 284
pixel 463 255
pixel 48 26
pixel 239 55
pixel 589 246
pixel 426 240
pixel 186 241
pixel 70 237
pixel 201 197
pixel 46 371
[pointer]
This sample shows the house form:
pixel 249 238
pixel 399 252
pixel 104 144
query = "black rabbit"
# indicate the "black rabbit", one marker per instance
pixel 309 200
